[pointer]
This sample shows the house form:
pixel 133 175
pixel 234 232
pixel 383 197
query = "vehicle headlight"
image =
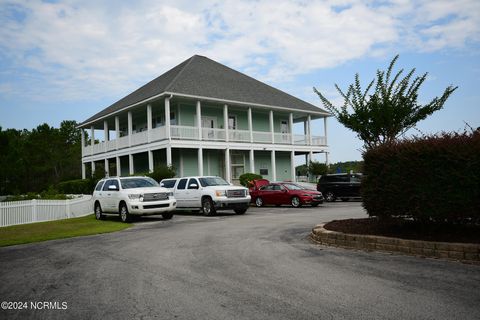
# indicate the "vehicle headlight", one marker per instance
pixel 170 194
pixel 247 192
pixel 221 193
pixel 138 197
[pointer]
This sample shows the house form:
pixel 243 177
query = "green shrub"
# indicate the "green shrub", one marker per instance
pixel 429 179
pixel 78 186
pixel 162 172
pixel 247 177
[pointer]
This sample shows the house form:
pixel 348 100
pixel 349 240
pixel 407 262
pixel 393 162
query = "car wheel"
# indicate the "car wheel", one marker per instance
pixel 296 202
pixel 167 216
pixel 240 211
pixel 207 207
pixel 344 199
pixel 98 212
pixel 329 196
pixel 124 214
pixel 259 202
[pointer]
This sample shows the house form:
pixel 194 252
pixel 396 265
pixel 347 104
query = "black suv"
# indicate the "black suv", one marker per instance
pixel 341 185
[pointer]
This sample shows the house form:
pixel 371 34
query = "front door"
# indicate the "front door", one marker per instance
pixel 284 131
pixel 209 123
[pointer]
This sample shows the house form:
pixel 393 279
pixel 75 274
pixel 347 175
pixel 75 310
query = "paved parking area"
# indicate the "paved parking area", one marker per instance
pixel 257 266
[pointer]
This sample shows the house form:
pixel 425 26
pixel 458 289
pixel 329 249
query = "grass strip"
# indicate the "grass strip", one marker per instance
pixel 59 229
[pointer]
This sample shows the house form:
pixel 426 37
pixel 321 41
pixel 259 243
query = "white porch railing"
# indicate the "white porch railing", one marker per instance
pixel 122 142
pixel 239 135
pixel 213 134
pixel 184 132
pixel 158 134
pixel 262 136
pixel 318 141
pixel 98 148
pixel 283 138
pixel 87 150
pixel 111 145
pixel 300 139
pixel 21 212
pixel 139 138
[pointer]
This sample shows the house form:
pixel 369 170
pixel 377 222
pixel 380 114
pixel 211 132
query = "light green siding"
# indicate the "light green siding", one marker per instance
pixel 260 121
pixel 283 166
pixel 140 163
pixel 190 162
pixel 213 162
pixel 186 114
pixel 263 161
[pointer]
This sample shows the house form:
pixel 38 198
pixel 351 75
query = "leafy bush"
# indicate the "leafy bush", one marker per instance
pixel 162 172
pixel 428 179
pixel 78 186
pixel 247 177
pixel 317 168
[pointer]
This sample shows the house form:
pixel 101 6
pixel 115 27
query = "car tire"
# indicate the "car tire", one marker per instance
pixel 259 202
pixel 125 216
pixel 167 216
pixel 208 208
pixel 98 212
pixel 240 211
pixel 296 202
pixel 330 196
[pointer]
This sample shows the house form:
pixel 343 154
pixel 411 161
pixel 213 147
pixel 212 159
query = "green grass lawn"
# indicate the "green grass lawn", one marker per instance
pixel 41 231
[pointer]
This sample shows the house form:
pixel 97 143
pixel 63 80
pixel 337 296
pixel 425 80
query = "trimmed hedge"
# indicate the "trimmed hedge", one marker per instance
pixel 430 179
pixel 78 186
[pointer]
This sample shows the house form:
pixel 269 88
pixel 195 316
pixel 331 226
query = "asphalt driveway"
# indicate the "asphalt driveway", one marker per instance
pixel 257 266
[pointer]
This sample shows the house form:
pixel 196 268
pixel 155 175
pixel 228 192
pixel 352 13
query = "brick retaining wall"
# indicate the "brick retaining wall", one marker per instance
pixel 465 252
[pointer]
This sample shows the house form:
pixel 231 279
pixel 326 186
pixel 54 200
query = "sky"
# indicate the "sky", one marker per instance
pixel 67 60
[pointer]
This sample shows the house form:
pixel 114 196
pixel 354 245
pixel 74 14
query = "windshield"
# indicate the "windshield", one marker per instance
pixel 213 181
pixel 294 187
pixel 131 183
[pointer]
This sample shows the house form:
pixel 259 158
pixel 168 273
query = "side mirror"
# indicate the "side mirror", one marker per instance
pixel 285 190
pixel 112 187
pixel 193 186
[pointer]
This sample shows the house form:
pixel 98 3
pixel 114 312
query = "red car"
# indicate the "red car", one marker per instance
pixel 279 193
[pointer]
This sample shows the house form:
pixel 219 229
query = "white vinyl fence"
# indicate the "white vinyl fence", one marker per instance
pixel 20 212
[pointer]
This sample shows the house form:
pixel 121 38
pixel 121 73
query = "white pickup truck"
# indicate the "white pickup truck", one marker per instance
pixel 207 193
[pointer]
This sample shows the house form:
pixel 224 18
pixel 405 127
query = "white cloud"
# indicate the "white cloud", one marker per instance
pixel 74 49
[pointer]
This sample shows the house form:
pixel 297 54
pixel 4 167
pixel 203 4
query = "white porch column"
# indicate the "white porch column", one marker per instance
pixel 290 124
pixel 292 165
pixel 130 128
pixel 93 167
pixel 309 134
pixel 107 168
pixel 225 121
pixel 169 155
pixel 92 135
pixel 82 136
pixel 131 167
pixel 252 161
pixel 200 161
pixel 117 130
pixel 150 161
pixel 250 124
pixel 227 165
pixel 119 166
pixel 274 166
pixel 149 121
pixel 167 121
pixel 181 164
pixel 325 130
pixel 84 170
pixel 106 133
pixel 271 126
pixel 326 158
pixel 199 119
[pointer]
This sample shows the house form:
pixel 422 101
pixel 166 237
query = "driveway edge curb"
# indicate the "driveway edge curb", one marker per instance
pixel 464 252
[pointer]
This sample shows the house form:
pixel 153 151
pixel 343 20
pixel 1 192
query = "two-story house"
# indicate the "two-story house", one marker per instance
pixel 204 119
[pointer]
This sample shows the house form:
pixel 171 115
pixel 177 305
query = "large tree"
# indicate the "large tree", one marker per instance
pixel 387 113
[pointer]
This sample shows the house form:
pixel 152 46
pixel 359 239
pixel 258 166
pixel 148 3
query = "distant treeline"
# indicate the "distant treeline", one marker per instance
pixel 339 167
pixel 32 161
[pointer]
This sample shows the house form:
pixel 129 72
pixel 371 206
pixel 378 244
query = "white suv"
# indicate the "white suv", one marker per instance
pixel 208 194
pixel 132 196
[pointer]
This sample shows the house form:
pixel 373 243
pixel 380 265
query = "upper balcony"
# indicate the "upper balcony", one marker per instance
pixel 205 134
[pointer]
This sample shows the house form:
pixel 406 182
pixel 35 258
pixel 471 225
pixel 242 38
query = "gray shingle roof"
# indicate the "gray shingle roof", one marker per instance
pixel 201 76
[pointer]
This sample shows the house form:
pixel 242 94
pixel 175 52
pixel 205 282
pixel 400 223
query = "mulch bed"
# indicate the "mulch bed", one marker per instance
pixel 405 229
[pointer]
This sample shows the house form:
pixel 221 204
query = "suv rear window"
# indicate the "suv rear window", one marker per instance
pixel 99 185
pixel 168 183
